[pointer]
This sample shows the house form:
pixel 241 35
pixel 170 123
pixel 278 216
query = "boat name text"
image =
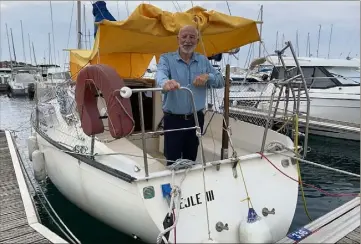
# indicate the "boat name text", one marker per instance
pixel 196 200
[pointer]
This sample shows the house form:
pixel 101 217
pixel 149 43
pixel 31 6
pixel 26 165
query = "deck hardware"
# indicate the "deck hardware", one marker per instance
pixel 266 212
pixel 136 169
pixel 220 226
pixel 285 163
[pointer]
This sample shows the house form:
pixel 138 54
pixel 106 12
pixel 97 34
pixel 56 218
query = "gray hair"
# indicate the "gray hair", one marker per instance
pixel 187 26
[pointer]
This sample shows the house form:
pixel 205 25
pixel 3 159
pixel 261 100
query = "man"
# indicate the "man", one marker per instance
pixel 184 68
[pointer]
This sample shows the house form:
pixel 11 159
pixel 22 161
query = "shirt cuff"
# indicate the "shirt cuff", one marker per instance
pixel 211 77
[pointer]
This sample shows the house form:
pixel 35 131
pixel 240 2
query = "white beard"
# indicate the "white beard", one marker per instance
pixel 188 51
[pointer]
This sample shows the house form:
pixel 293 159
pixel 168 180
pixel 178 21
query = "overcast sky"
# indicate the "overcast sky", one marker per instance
pixel 286 17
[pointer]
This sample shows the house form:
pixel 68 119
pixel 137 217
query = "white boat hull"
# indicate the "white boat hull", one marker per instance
pixel 112 188
pixel 121 204
pixel 337 106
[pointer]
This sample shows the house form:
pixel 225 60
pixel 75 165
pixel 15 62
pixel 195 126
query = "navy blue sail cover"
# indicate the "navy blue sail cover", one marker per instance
pixel 101 12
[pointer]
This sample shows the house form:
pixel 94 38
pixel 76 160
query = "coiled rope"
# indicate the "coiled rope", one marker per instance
pixel 176 195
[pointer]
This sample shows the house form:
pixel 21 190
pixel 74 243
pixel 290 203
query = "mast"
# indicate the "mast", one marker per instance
pixel 90 45
pixel 79 23
pixel 22 39
pixel 84 31
pixel 7 34
pixel 318 42
pixel 298 50
pixel 31 59
pixel 12 40
pixel 118 9
pixel 276 41
pixel 260 33
pixel 50 61
pixel 54 61
pixel 307 43
pixel 34 54
pixel 224 150
pixel 329 43
pixel 58 59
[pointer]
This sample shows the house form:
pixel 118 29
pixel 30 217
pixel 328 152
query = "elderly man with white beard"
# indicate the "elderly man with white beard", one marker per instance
pixel 184 68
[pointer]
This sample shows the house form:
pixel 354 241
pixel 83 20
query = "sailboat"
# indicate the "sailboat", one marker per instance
pixel 101 143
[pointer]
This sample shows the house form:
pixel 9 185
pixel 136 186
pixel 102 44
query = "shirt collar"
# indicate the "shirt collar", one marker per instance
pixel 193 58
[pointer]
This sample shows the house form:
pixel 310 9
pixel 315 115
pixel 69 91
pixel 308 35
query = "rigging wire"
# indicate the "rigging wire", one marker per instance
pixel 52 30
pixel 69 33
pixel 118 8
pixel 179 6
pixel 310 185
pixel 127 7
pixel 229 10
pixel 175 6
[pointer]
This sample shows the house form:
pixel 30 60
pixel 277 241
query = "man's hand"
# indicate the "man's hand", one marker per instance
pixel 171 85
pixel 200 80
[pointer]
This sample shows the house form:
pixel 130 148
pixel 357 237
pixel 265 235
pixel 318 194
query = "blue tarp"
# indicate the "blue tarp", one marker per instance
pixel 101 12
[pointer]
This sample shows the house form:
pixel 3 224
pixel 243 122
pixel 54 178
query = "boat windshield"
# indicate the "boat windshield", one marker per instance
pixel 24 78
pixel 346 75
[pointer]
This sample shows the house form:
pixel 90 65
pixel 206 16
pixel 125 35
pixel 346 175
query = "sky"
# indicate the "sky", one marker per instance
pixel 284 17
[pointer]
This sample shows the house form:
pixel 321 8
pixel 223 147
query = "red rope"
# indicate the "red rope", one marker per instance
pixel 175 232
pixel 312 186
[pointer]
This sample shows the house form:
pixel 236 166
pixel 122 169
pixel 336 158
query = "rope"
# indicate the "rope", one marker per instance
pixel 299 169
pixel 284 124
pixel 275 147
pixel 176 195
pixel 322 166
pixel 74 240
pixel 249 202
pixel 310 185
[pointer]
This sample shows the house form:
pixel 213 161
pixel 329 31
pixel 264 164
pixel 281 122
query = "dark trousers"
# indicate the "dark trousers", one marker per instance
pixel 181 144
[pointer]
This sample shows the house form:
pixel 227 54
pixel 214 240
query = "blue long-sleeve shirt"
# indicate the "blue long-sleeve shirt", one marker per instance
pixel 171 66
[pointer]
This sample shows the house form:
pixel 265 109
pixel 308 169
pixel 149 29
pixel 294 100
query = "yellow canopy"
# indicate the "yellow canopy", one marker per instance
pixel 130 45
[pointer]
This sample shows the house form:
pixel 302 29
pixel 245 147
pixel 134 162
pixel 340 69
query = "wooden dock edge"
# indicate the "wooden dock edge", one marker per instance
pixel 333 226
pixel 25 195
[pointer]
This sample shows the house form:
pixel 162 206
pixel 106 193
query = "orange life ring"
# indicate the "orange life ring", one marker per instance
pixel 103 79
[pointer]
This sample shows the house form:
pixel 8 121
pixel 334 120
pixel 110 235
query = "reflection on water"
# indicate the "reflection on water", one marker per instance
pixel 342 154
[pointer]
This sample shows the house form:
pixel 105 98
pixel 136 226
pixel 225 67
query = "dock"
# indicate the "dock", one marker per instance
pixel 19 221
pixel 341 225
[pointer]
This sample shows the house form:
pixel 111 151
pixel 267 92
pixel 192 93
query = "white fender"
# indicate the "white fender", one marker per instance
pixel 39 165
pixel 32 146
pixel 256 232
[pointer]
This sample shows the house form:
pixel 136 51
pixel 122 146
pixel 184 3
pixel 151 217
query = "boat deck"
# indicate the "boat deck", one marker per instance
pixel 341 225
pixel 19 221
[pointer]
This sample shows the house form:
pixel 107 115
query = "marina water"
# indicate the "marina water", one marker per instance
pixel 341 154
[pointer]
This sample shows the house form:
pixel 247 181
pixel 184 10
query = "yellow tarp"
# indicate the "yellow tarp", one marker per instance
pixel 130 45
